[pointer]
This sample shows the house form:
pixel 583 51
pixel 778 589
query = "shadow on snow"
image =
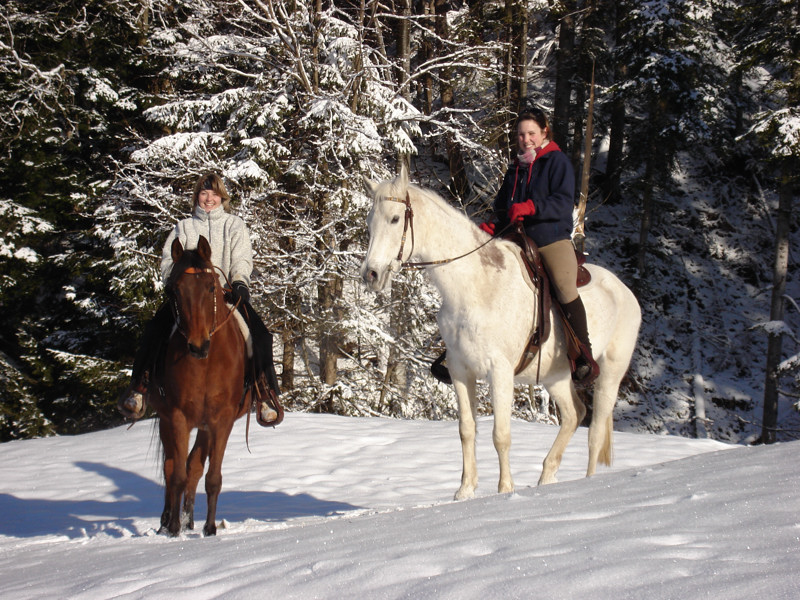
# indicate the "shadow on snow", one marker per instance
pixel 139 498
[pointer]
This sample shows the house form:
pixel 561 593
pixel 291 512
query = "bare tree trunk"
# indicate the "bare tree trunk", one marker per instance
pixel 577 127
pixel 611 187
pixel 395 369
pixel 565 70
pixel 404 48
pixel 646 218
pixel 429 48
pixel 287 360
pixel 329 294
pixel 522 57
pixel 616 143
pixel 786 189
pixel 580 232
pixel 780 269
pixel 458 173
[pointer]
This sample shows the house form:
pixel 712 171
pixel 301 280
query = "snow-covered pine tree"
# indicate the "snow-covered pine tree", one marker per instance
pixel 65 105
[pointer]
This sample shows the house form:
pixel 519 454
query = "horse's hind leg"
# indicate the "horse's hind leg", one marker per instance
pixel 601 429
pixel 467 429
pixel 194 466
pixel 218 440
pixel 572 412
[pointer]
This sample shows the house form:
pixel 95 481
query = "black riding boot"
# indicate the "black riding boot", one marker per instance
pixel 439 369
pixel 132 402
pixel 586 369
pixel 266 389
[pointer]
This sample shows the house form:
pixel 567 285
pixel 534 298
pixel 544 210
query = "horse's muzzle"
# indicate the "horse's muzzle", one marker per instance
pixel 200 351
pixel 375 279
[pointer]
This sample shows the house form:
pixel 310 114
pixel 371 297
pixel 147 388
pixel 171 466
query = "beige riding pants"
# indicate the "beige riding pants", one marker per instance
pixel 562 266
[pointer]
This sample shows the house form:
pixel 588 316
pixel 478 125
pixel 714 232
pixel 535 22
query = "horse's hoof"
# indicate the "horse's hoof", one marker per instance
pixel 210 529
pixel 164 530
pixel 464 494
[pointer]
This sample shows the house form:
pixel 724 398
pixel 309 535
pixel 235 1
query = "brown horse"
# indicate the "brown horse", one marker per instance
pixel 201 386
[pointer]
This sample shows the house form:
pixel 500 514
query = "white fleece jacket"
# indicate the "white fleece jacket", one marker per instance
pixel 228 236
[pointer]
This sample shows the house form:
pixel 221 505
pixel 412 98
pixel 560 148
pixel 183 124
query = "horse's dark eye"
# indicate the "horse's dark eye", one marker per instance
pixel 395 219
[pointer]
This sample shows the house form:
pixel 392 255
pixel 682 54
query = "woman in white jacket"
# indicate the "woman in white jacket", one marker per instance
pixel 232 254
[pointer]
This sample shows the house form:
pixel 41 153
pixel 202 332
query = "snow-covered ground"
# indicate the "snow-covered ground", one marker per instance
pixel 336 507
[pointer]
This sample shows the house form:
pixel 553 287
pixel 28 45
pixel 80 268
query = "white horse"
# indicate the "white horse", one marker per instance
pixel 486 318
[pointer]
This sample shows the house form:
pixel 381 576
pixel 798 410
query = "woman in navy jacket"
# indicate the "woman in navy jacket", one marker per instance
pixel 538 190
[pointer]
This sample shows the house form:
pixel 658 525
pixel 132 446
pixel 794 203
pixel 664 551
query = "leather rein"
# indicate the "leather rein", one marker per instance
pixel 409 225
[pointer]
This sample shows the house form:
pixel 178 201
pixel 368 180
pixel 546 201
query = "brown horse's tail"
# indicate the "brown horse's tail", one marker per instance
pixel 155 443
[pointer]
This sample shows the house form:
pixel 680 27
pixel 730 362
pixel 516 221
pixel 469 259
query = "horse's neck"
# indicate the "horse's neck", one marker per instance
pixel 445 239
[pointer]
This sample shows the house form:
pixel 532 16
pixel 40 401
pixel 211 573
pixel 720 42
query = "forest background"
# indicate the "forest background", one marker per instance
pixel 110 110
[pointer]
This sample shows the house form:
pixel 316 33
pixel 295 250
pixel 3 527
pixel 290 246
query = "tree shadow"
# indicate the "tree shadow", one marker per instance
pixel 138 498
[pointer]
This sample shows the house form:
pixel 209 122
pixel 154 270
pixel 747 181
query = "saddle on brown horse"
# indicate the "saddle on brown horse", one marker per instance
pixel 532 259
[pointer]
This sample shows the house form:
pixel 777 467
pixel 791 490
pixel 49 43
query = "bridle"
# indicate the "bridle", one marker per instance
pixel 176 310
pixel 409 225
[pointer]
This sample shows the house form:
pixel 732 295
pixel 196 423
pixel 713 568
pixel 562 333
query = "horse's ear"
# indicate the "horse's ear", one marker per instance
pixel 177 250
pixel 371 187
pixel 203 249
pixel 402 178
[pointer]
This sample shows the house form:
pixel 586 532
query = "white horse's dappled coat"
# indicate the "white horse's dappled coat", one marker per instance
pixel 486 319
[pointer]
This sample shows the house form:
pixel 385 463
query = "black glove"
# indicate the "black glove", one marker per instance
pixel 240 290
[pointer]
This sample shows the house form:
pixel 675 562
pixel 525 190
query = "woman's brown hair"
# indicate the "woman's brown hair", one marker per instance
pixel 536 115
pixel 213 182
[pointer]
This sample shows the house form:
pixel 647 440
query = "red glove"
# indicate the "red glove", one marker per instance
pixel 488 228
pixel 519 210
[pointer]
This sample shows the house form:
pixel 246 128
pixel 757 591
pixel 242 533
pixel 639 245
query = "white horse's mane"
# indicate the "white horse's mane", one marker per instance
pixel 453 212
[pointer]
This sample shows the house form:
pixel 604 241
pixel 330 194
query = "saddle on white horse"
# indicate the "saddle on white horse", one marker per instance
pixel 537 272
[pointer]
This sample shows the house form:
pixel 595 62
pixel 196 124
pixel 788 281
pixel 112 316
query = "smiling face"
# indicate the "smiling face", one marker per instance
pixel 530 135
pixel 209 193
pixel 208 200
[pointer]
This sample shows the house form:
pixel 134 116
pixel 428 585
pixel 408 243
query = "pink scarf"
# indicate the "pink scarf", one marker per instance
pixel 528 157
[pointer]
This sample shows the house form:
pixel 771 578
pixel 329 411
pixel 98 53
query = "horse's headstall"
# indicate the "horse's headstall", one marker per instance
pixel 197 271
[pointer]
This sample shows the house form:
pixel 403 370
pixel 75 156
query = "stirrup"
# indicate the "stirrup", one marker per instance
pixel 584 370
pixel 132 402
pixel 269 411
pixel 440 371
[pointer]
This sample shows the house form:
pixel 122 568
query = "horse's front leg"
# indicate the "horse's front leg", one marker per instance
pixel 218 440
pixel 194 466
pixel 467 430
pixel 502 390
pixel 175 439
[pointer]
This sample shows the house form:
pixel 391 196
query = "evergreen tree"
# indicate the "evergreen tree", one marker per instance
pixel 771 47
pixel 68 91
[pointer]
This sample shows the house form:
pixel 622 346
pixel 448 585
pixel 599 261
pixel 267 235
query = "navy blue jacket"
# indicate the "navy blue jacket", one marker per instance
pixel 550 182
